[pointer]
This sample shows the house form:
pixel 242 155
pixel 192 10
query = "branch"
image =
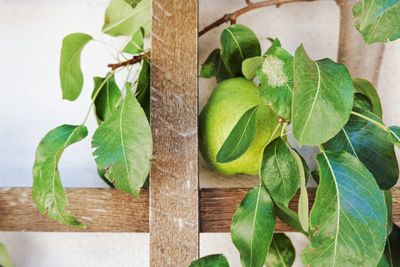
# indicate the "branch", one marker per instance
pixel 133 60
pixel 232 17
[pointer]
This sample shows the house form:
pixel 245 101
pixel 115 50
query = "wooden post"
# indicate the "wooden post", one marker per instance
pixel 363 61
pixel 173 218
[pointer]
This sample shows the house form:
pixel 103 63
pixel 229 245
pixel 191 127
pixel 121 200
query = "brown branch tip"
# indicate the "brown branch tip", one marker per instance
pixel 135 59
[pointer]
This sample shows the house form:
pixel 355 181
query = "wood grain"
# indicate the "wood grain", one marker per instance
pixel 174 227
pixel 102 210
pixel 109 210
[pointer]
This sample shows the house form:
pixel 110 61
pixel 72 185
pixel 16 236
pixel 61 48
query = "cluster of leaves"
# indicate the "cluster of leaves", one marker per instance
pixel 320 104
pixel 122 142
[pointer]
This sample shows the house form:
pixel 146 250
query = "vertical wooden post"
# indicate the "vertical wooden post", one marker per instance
pixel 174 227
pixel 362 60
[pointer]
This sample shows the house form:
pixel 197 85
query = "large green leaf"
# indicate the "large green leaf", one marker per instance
pixel 123 146
pixel 71 76
pixel 280 171
pixel 348 218
pixel 5 259
pixel 47 190
pixel 370 145
pixel 107 96
pixel 136 43
pixel 215 260
pixel 276 78
pixel 377 20
pixel 389 207
pixel 322 99
pixel 253 226
pixel 281 252
pixel 367 89
pixel 238 43
pixel 240 138
pixel 250 66
pixel 122 19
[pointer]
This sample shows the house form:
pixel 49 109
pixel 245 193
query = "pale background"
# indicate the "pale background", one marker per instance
pixel 30 105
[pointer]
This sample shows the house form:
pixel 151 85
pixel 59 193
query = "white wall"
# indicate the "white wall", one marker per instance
pixel 30 105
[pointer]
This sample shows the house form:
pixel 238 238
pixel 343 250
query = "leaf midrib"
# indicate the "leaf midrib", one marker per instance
pixel 134 12
pixel 237 43
pixel 314 101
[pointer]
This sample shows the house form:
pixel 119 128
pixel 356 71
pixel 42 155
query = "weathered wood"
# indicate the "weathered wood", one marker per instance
pixel 109 210
pixel 102 210
pixel 174 228
pixel 362 60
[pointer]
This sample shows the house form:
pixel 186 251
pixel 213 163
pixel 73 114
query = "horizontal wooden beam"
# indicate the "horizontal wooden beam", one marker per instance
pixel 109 210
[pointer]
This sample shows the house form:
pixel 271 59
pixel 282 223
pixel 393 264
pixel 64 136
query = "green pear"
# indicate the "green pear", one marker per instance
pixel 228 102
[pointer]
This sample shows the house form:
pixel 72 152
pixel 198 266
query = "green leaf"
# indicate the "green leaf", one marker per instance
pixel 367 89
pixel 281 252
pixel 280 171
pixel 276 79
pixel 288 216
pixel 253 226
pixel 388 202
pixel 322 99
pixel 240 138
pixel 392 248
pixel 5 259
pixel 47 190
pixel 348 218
pixel 215 260
pixel 143 87
pixel 370 145
pixel 303 198
pixel 377 20
pixel 250 65
pixel 238 43
pixel 123 146
pixel 395 135
pixel 122 19
pixel 209 67
pixel 136 43
pixel 107 96
pixel 71 76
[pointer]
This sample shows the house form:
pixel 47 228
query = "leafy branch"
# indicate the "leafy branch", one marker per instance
pixel 250 5
pixel 134 60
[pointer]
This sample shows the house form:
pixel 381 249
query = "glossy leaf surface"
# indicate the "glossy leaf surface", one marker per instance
pixel 107 96
pixel 238 43
pixel 281 252
pixel 71 76
pixel 216 260
pixel 250 65
pixel 348 218
pixel 240 137
pixel 253 226
pixel 47 191
pixel 370 145
pixel 377 20
pixel 123 146
pixel 322 99
pixel 280 171
pixel 367 89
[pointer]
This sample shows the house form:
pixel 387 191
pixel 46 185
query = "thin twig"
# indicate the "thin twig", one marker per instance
pixel 232 17
pixel 133 60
